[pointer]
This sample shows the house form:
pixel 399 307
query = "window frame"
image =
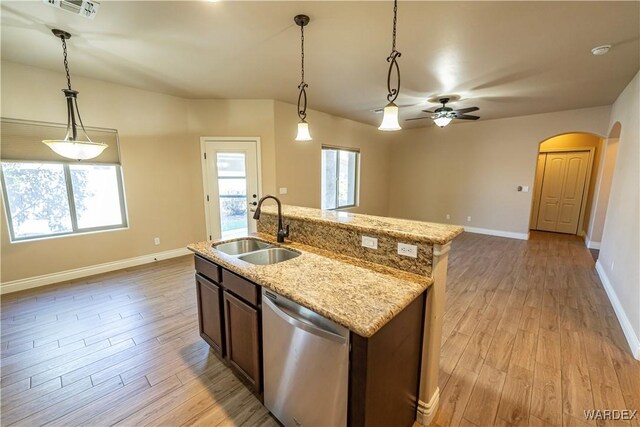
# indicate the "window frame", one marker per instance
pixel 356 183
pixel 71 200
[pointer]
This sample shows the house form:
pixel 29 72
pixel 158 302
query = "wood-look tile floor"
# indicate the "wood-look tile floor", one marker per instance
pixel 120 348
pixel 529 338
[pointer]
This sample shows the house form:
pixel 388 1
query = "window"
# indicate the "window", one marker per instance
pixel 47 199
pixel 339 177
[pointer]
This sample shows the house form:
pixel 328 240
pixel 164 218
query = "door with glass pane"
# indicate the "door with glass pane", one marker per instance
pixel 232 187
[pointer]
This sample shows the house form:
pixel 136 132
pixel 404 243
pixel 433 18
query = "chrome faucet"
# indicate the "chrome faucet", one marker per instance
pixel 282 232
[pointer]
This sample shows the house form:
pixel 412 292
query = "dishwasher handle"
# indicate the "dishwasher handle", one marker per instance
pixel 291 318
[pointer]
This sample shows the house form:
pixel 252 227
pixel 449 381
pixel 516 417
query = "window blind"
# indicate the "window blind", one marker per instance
pixel 22 140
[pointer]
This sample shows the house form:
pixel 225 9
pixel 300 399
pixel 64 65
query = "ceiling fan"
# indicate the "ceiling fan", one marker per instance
pixel 442 116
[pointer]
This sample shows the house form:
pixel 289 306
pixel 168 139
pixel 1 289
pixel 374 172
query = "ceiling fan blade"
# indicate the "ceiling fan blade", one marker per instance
pixel 428 111
pixel 417 118
pixel 466 110
pixel 467 117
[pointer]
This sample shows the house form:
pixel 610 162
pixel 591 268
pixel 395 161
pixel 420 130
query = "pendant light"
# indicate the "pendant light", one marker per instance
pixel 303 126
pixel 390 116
pixel 72 147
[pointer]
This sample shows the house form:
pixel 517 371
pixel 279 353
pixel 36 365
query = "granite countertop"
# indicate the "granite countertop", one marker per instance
pixel 359 295
pixel 419 231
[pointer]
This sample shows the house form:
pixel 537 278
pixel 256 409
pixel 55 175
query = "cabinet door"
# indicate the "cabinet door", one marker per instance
pixel 242 336
pixel 210 313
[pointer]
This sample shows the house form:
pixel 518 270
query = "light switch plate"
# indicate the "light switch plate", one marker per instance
pixel 369 242
pixel 408 250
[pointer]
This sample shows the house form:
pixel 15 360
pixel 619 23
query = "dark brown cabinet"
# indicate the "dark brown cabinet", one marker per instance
pixel 229 317
pixel 210 313
pixel 242 338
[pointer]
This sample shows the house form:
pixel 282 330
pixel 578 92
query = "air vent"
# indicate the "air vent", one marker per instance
pixel 85 8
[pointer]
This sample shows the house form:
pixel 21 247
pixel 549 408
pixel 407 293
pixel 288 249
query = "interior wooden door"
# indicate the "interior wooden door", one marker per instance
pixel 562 191
pixel 576 165
pixel 552 181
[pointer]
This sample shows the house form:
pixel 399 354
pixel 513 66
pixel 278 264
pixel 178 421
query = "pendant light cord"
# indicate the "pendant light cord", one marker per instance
pixel 66 62
pixel 395 23
pixel 392 59
pixel 302 54
pixel 302 96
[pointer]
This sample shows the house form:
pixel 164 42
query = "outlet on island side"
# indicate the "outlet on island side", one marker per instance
pixel 369 242
pixel 407 250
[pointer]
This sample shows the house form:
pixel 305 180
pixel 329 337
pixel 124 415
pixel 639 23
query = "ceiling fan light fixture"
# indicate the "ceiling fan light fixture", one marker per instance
pixel 71 147
pixel 390 118
pixel 303 132
pixel 442 121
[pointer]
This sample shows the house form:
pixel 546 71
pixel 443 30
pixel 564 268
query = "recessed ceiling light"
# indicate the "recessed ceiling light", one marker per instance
pixel 600 50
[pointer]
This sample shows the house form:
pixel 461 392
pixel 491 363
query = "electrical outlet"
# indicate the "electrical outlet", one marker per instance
pixel 407 250
pixel 468 219
pixel 448 216
pixel 283 190
pixel 156 241
pixel 369 242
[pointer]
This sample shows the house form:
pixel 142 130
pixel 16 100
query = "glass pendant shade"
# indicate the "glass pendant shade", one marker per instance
pixel 390 118
pixel 76 150
pixel 442 121
pixel 303 132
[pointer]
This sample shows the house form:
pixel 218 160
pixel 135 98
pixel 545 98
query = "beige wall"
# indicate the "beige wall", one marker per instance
pixel 603 189
pixel 572 141
pixel 299 163
pixel 160 145
pixel 620 249
pixel 158 163
pixel 473 169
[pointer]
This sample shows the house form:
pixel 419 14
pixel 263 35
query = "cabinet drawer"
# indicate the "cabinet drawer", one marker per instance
pixel 207 269
pixel 241 287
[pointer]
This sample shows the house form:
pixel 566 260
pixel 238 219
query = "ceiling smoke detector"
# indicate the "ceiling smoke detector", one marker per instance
pixel 600 50
pixel 84 8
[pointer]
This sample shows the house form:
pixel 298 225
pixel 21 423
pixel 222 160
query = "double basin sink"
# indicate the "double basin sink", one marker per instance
pixel 256 252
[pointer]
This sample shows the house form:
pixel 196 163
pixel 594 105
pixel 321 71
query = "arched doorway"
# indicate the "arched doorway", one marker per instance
pixel 603 187
pixel 565 183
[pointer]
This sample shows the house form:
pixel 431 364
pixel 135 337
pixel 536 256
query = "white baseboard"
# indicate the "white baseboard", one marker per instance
pixel 627 328
pixel 63 276
pixel 499 233
pixel 591 244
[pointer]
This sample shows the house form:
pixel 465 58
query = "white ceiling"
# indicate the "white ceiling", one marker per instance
pixel 508 58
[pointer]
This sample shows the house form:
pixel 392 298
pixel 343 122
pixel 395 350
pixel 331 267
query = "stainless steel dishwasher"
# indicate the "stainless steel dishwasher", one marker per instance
pixel 306 364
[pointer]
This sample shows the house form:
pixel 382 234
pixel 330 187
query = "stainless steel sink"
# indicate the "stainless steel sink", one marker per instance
pixel 269 256
pixel 242 246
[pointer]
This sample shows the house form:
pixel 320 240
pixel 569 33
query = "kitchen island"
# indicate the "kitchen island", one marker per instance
pixel 391 304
